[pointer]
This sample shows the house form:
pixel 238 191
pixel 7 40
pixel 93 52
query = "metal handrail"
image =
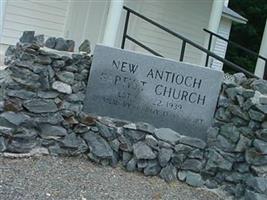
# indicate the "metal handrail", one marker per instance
pixel 184 39
pixel 235 44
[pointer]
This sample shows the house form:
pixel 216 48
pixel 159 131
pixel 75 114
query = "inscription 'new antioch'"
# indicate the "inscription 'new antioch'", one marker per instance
pixel 137 87
pixel 168 77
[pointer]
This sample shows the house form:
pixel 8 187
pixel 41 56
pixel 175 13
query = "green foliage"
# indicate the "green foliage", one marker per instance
pixel 248 35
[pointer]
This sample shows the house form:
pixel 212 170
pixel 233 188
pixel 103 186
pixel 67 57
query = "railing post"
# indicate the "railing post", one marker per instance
pixel 265 71
pixel 182 51
pixel 125 29
pixel 209 46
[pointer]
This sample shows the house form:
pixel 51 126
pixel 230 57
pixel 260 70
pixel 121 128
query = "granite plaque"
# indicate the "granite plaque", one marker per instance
pixel 137 87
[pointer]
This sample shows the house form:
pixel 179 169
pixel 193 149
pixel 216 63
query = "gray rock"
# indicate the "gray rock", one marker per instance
pixel 115 145
pixel 126 157
pixel 98 146
pixel 78 97
pixel 75 143
pixel 233 92
pixel 225 144
pixel 145 127
pixel 2 144
pixel 181 175
pixel 47 94
pixel 248 93
pixel 235 110
pixel 44 60
pixel 61 45
pixel 260 85
pixel 50 42
pixel 192 165
pixel 178 159
pixel 134 135
pixel 263 99
pixel 12 119
pixel 85 46
pixel 106 132
pixel 58 63
pixel 151 141
pixel 152 168
pixel 62 87
pixel 239 78
pixel 217 161
pixel 194 179
pixel 259 170
pixel 48 131
pixel 22 94
pixel 141 164
pixel 66 77
pixel 131 165
pixel 183 149
pixel 40 106
pixel 262 108
pixel 260 146
pixel 50 118
pixel 167 135
pixel 27 37
pixel 258 184
pixel 230 132
pixel 197 153
pixel 262 134
pixel 168 173
pixel 242 144
pixel 39 40
pixel 193 142
pixel 71 45
pixel 164 156
pixel 250 195
pixel 254 157
pixel 143 151
pixel 255 115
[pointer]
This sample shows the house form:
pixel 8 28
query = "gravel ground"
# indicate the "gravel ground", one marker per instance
pixel 48 177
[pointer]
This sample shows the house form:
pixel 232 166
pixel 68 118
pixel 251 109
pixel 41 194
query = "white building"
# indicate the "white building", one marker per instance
pixel 102 21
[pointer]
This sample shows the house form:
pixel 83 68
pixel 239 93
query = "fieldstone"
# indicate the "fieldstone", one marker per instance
pixel 255 158
pixel 255 115
pixel 239 77
pixel 183 149
pixel 71 45
pixel 263 99
pixel 242 144
pixel 181 175
pixel 78 97
pixel 85 46
pixel 44 60
pixel 58 63
pixel 2 144
pixel 126 157
pixel 250 195
pixel 168 173
pixel 131 165
pixel 141 164
pixel 143 151
pixel 27 37
pixel 151 141
pixel 50 118
pixel 13 104
pixel 258 184
pixel 193 142
pixel 152 169
pixel 126 144
pixel 233 92
pixel 61 45
pixel 50 42
pixel 167 135
pixel 225 144
pixel 262 134
pixel 192 165
pixel 40 106
pixel 66 77
pixel 259 170
pixel 254 125
pixel 145 127
pixel 197 153
pixel 230 132
pixel 75 142
pixel 22 94
pixel 260 85
pixel 39 40
pixel 260 146
pixel 115 145
pixel 194 179
pixel 47 94
pixel 12 119
pixel 235 110
pixel 248 93
pixel 86 119
pixel 262 108
pixel 62 87
pixel 217 161
pixel 223 101
pixel 264 125
pixel 48 131
pixel 164 156
pixel 178 159
pixel 106 132
pixel 98 146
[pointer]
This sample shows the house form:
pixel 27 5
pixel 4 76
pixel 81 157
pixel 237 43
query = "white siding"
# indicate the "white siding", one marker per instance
pixel 86 20
pixel 220 46
pixel 44 17
pixel 187 17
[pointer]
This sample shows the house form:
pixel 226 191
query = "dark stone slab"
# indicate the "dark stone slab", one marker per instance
pixel 162 92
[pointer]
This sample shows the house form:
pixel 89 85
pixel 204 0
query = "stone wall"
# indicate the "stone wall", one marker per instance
pixel 41 106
